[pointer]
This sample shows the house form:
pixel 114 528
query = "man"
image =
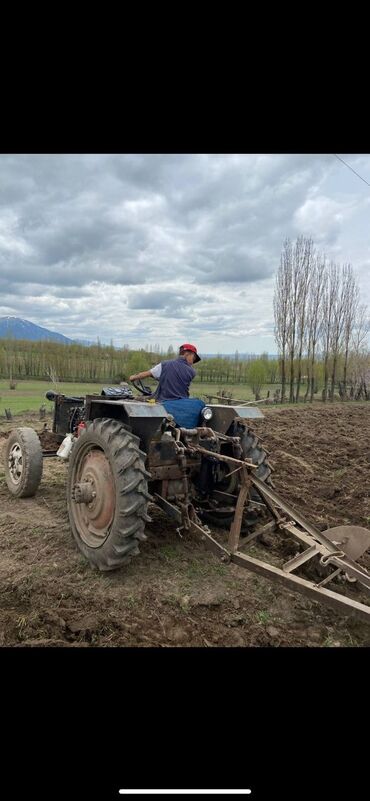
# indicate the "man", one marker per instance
pixel 174 376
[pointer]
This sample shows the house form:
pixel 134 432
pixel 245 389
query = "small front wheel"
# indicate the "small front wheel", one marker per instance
pixel 23 462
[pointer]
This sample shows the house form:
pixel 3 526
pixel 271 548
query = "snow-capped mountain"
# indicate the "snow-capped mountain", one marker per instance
pixel 23 329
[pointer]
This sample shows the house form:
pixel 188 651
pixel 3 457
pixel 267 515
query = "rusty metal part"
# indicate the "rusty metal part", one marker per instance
pixel 94 517
pixel 331 576
pixel 169 508
pixel 350 568
pixel 337 547
pixel 171 471
pixel 201 431
pixel 243 543
pixel 301 558
pixel 220 495
pixel 222 457
pixel 341 603
pixel 83 492
pixel 353 540
pixel 235 527
pixel 189 432
pixel 268 493
pixel 176 489
pixel 331 555
pixel 234 401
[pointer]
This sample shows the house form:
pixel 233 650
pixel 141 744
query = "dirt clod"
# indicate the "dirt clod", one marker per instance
pixel 272 631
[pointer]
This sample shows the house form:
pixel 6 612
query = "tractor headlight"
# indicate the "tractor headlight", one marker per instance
pixel 207 413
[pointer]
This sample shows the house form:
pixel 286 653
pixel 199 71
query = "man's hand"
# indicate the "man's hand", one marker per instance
pixel 133 377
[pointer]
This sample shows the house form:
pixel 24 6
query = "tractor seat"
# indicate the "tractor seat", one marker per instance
pixel 185 411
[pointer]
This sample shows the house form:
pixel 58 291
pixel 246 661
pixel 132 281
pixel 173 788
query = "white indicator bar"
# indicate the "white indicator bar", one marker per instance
pixel 185 792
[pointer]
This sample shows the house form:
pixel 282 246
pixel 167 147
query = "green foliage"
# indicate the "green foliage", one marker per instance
pixel 137 362
pixel 257 375
pixel 22 359
pixel 57 362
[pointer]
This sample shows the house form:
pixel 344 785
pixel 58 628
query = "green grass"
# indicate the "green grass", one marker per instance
pixel 263 617
pixel 238 391
pixel 30 395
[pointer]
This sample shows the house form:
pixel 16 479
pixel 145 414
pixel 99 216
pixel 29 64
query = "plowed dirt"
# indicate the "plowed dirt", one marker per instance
pixel 176 593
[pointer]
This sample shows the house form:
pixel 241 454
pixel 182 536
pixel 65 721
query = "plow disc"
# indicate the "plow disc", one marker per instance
pixel 352 540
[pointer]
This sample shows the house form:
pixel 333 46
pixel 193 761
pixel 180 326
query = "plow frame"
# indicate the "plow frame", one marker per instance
pixel 284 519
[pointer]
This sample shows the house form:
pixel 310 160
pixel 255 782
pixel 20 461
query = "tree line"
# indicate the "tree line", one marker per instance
pixel 320 325
pixel 24 359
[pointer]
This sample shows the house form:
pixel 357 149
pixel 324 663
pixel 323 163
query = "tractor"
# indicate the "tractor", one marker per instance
pixel 201 464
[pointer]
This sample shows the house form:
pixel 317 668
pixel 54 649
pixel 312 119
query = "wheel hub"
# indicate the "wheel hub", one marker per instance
pixel 83 492
pixel 94 497
pixel 15 463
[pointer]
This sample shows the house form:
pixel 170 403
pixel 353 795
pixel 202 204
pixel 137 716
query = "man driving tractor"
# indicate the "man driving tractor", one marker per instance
pixel 173 376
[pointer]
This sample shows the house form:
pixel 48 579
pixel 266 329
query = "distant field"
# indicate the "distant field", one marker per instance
pixel 238 391
pixel 30 395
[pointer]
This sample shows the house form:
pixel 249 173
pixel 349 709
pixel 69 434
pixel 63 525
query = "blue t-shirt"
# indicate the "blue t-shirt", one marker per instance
pixel 176 376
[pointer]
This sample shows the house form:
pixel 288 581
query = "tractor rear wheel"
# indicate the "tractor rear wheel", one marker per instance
pixel 107 494
pixel 253 450
pixel 23 462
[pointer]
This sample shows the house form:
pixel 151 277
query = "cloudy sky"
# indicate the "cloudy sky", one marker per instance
pixel 169 248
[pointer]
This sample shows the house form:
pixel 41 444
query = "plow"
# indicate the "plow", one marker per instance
pixel 201 465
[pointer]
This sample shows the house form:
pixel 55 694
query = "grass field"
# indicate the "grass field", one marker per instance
pixel 238 391
pixel 30 395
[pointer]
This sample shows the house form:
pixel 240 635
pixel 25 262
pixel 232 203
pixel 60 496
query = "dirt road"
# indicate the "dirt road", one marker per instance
pixel 175 592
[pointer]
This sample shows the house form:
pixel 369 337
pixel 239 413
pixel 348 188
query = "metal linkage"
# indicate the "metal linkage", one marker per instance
pixel 330 552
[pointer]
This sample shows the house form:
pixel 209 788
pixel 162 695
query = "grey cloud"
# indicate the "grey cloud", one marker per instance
pixel 153 300
pixel 167 300
pixel 182 233
pixel 214 205
pixel 231 266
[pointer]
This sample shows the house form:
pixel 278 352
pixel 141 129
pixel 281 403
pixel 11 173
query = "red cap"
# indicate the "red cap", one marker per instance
pixel 193 350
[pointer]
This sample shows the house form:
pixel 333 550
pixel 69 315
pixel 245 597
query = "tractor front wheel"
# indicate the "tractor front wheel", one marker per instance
pixel 107 494
pixel 23 462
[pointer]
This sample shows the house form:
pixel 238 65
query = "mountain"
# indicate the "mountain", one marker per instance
pixel 17 328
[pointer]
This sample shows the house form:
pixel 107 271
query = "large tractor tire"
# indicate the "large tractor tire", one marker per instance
pixel 107 494
pixel 253 450
pixel 23 462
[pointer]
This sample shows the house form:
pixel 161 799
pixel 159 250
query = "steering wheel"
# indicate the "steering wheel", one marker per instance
pixel 144 390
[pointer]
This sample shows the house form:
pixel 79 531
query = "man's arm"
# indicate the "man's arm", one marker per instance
pixel 154 372
pixel 144 374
